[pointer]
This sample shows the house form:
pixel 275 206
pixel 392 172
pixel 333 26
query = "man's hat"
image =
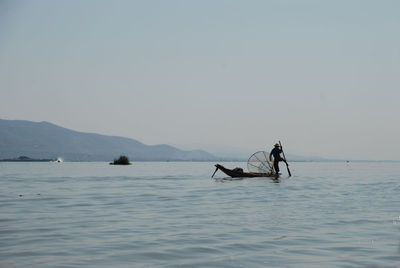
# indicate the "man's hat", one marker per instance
pixel 276 144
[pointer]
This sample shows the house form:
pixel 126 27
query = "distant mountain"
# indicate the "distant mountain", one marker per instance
pixel 234 153
pixel 228 153
pixel 46 140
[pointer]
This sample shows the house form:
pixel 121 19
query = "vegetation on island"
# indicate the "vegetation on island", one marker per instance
pixel 122 160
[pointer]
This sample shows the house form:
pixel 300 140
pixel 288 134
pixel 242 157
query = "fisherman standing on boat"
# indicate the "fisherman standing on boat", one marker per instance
pixel 276 153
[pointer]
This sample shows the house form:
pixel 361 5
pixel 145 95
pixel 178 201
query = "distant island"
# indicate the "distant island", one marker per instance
pixel 27 159
pixel 122 160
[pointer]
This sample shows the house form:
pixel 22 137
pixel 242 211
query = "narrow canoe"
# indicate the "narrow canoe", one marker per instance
pixel 239 173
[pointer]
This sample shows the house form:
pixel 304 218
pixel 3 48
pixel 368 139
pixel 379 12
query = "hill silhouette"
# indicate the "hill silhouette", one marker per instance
pixel 46 140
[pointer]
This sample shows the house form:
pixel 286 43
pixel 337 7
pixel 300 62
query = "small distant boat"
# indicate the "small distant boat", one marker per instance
pixel 239 173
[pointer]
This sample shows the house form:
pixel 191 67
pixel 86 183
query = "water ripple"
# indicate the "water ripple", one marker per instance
pixel 174 215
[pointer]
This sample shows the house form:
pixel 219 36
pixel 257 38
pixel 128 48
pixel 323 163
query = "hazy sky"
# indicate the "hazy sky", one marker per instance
pixel 321 76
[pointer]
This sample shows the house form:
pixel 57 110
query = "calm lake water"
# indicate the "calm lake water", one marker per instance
pixel 174 215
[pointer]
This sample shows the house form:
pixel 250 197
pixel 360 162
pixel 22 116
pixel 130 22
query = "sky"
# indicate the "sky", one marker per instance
pixel 323 77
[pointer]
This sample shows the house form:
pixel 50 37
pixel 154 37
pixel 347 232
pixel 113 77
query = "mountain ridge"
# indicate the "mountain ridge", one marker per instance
pixel 47 140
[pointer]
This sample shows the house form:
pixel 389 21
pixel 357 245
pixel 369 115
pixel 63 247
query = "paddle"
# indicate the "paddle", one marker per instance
pixel 287 165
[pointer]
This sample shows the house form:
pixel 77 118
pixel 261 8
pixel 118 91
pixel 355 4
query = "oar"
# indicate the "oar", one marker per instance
pixel 287 165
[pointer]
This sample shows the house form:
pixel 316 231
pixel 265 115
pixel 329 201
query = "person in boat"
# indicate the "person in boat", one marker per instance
pixel 276 154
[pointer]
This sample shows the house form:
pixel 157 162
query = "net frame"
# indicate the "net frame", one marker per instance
pixel 259 162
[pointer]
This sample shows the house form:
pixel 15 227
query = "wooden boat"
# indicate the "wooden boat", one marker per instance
pixel 259 165
pixel 239 173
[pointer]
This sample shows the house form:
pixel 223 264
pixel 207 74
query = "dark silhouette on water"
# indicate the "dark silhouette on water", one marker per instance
pixel 259 165
pixel 239 173
pixel 276 153
pixel 122 160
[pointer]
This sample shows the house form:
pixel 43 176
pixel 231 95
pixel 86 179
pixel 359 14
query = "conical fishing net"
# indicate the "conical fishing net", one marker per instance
pixel 259 163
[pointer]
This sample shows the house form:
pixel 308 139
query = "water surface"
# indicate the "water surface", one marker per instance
pixel 172 214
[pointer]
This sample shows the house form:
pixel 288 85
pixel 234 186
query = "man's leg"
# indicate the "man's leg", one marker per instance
pixel 276 165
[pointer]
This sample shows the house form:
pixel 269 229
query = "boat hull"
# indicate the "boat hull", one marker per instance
pixel 238 174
